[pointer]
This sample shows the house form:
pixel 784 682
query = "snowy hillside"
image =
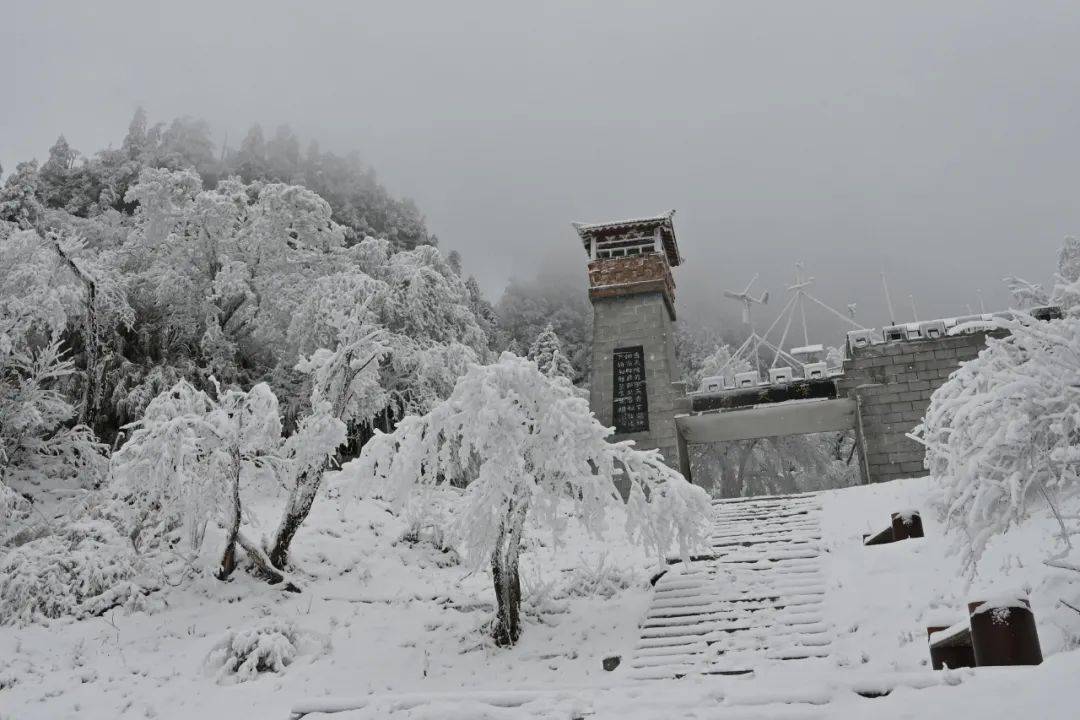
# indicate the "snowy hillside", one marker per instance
pixel 387 624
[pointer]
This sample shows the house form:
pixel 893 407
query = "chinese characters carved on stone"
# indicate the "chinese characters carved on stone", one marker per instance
pixel 630 406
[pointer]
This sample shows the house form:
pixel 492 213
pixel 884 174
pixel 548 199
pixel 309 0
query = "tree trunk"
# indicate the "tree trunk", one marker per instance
pixel 258 557
pixel 307 486
pixel 785 483
pixel 504 573
pixel 88 408
pixel 228 558
pixel 744 458
pixel 296 511
pixel 92 391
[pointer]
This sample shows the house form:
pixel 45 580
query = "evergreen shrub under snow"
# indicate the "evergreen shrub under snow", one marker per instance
pixel 268 646
pixel 599 579
pixel 79 572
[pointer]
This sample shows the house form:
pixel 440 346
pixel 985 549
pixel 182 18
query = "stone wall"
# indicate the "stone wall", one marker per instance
pixel 640 319
pixel 892 384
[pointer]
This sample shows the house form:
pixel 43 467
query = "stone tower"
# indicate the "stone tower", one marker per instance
pixel 632 292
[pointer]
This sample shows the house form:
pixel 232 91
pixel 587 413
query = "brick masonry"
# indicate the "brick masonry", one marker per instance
pixel 892 384
pixel 640 319
pixel 616 277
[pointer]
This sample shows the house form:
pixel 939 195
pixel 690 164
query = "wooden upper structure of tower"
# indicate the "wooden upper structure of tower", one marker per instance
pixel 627 257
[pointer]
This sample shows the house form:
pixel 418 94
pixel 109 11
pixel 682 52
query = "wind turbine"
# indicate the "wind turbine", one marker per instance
pixel 747 299
pixel 795 305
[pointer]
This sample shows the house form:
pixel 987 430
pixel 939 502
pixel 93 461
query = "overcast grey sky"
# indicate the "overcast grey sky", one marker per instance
pixel 935 140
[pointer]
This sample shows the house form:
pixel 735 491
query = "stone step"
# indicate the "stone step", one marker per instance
pixel 779 540
pixel 721 612
pixel 803 596
pixel 758 598
pixel 666 660
pixel 747 592
pixel 766 586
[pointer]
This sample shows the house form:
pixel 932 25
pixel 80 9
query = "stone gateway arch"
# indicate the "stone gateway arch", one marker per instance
pixel 882 393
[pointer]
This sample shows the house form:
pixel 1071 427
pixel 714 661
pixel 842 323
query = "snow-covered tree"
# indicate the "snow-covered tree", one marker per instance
pixel 551 298
pixel 210 272
pixel 1067 278
pixel 536 450
pixel 221 271
pixel 430 331
pixel 20 197
pixel 188 460
pixel 1026 294
pixel 345 390
pixel 39 439
pixel 546 351
pixel 103 310
pixel 1003 430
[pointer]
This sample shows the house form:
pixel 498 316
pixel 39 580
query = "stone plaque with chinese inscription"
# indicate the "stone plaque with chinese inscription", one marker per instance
pixel 630 404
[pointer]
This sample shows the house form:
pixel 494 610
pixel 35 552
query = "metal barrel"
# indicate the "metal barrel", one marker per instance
pixel 1004 634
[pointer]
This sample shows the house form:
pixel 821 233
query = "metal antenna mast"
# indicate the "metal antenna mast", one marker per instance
pixel 797 301
pixel 888 299
pixel 800 292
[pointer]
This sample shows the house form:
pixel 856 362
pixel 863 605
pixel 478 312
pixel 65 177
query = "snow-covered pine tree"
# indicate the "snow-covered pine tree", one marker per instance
pixel 527 307
pixel 537 451
pixel 547 352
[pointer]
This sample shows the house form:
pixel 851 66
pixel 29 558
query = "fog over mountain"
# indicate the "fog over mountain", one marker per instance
pixel 933 141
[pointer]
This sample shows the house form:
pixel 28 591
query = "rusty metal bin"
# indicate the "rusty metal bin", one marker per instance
pixel 951 651
pixel 881 538
pixel 1003 632
pixel 906 525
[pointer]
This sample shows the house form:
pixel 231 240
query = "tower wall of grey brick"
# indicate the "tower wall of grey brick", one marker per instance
pixel 892 384
pixel 640 319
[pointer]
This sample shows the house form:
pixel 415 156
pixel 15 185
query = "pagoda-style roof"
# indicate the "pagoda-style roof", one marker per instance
pixel 646 225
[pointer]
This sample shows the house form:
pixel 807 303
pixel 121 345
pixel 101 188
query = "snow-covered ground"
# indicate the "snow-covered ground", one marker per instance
pixel 399 627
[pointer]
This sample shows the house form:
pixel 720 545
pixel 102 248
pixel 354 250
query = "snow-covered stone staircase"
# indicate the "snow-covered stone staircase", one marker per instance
pixel 757 601
pixel 749 629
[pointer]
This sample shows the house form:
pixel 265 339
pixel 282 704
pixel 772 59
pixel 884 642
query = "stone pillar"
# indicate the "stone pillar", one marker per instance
pixel 632 291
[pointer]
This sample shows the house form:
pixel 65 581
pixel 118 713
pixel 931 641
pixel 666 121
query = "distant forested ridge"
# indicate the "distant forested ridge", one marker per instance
pixel 87 184
pixel 170 257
